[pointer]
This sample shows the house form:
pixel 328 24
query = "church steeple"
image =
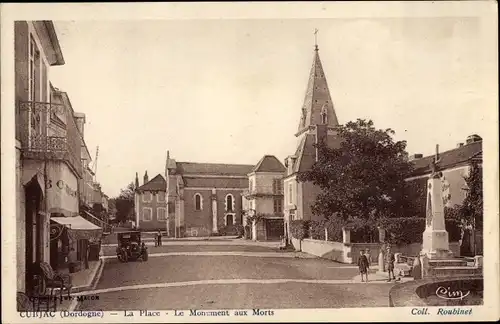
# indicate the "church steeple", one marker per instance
pixel 318 106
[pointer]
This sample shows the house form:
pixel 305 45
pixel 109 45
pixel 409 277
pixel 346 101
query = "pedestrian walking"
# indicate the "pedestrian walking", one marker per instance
pixel 390 259
pixel 363 265
pixel 159 237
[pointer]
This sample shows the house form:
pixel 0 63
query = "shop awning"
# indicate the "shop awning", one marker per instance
pixel 79 228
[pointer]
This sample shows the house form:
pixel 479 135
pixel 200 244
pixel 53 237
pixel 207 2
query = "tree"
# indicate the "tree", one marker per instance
pixel 124 203
pixel 471 210
pixel 364 177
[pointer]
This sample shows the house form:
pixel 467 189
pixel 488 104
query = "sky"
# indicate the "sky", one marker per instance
pixel 231 91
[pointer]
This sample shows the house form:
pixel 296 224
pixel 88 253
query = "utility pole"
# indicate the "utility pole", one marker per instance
pixel 95 162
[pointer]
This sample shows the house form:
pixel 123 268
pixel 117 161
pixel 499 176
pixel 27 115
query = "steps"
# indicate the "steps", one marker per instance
pixel 452 268
pixel 448 263
pixel 454 271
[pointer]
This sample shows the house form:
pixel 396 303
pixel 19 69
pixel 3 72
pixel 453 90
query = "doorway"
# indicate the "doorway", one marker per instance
pixel 229 220
pixel 274 229
pixel 34 227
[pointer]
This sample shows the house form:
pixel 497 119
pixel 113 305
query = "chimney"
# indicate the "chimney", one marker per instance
pixel 136 180
pixel 460 145
pixel 146 178
pixel 416 156
pixel 80 121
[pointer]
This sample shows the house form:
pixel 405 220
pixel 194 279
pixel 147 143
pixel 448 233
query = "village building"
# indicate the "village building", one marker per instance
pixel 318 122
pixel 264 199
pixel 50 157
pixel 151 205
pixel 204 199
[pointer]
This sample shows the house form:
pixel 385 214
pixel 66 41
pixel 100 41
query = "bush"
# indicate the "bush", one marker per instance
pixel 240 230
pixel 454 229
pixel 363 231
pixel 334 226
pixel 299 229
pixel 317 230
pixel 403 230
pixel 407 230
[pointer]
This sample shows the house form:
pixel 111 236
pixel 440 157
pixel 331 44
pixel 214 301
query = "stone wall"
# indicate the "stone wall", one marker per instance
pixel 324 249
pixel 347 252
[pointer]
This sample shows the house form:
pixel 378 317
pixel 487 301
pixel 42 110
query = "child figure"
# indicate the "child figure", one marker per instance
pixel 363 265
pixel 368 256
pixel 390 259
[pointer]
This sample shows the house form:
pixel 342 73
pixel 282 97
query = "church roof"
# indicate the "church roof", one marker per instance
pixel 269 163
pixel 306 152
pixel 214 168
pixel 450 158
pixel 317 99
pixel 195 182
pixel 158 183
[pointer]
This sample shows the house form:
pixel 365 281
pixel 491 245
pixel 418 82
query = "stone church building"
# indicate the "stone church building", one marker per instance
pixel 203 199
pixel 318 122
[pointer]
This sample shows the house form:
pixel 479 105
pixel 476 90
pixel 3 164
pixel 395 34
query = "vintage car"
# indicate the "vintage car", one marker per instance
pixel 130 247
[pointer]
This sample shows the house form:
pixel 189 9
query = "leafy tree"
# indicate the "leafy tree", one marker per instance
pixel 471 210
pixel 124 203
pixel 364 177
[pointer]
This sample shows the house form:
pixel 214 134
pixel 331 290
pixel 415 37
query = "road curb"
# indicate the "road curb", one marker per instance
pixel 95 278
pixel 93 284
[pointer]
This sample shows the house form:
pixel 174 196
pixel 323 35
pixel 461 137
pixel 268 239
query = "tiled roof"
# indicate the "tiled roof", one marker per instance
pixel 317 98
pixel 213 168
pixel 269 163
pixel 307 152
pixel 215 182
pixel 155 184
pixel 449 158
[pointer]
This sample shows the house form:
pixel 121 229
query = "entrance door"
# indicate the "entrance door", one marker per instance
pixel 34 231
pixel 229 220
pixel 274 229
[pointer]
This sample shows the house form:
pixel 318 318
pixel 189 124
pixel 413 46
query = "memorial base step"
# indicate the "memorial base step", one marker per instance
pixel 448 263
pixel 454 271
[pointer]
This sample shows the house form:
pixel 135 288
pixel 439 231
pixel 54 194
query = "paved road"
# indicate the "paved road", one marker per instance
pixel 243 281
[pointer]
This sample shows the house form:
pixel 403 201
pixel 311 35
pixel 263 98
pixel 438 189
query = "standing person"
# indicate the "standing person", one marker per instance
pixel 363 265
pixel 416 271
pixel 156 239
pixel 368 256
pixel 390 259
pixel 159 237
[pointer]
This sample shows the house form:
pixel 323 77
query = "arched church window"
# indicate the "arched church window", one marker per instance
pixel 198 202
pixel 229 202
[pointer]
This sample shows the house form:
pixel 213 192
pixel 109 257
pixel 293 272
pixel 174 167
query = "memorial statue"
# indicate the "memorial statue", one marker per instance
pixel 434 165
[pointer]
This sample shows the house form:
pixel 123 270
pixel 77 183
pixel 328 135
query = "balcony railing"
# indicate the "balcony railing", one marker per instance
pixel 32 129
pixel 262 191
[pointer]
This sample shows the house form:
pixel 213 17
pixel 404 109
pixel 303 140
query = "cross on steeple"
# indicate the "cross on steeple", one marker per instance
pixel 316 39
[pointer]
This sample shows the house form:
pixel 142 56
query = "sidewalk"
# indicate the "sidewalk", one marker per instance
pixel 82 280
pixel 377 276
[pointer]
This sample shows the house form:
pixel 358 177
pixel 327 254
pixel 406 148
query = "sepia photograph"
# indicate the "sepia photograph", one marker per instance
pixel 234 167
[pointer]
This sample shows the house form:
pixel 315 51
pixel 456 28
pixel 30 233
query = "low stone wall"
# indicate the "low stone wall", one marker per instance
pixel 324 249
pixel 349 252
